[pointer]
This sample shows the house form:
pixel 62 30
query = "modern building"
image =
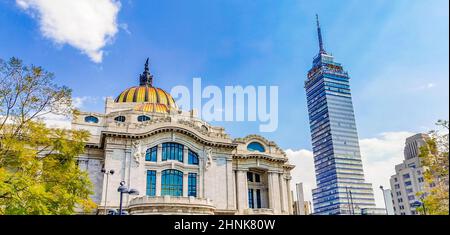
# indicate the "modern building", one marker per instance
pixel 301 207
pixel 408 179
pixel 387 196
pixel 341 188
pixel 179 163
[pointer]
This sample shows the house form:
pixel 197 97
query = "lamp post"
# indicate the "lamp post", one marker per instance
pixel 384 199
pixel 107 173
pixel 123 189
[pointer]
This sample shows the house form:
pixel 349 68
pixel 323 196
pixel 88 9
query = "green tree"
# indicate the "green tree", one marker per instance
pixel 38 170
pixel 434 158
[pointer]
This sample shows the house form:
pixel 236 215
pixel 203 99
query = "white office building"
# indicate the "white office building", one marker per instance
pixel 409 179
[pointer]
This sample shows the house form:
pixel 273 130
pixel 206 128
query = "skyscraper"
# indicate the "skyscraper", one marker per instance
pixel 341 188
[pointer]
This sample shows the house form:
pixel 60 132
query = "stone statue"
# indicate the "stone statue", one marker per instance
pixel 208 152
pixel 137 153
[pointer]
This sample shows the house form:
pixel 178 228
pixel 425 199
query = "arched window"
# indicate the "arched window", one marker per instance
pixel 255 146
pixel 172 183
pixel 192 157
pixel 172 151
pixel 143 118
pixel 120 119
pixel 150 154
pixel 91 119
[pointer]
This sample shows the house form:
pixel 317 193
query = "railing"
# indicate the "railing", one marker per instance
pixel 171 205
pixel 170 199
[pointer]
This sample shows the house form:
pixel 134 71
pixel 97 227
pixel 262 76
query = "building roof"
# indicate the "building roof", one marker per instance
pixel 150 98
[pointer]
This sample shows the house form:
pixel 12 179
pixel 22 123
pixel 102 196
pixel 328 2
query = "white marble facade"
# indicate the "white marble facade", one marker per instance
pixel 222 173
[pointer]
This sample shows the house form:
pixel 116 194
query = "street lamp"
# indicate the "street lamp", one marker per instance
pixel 384 199
pixel 107 173
pixel 123 189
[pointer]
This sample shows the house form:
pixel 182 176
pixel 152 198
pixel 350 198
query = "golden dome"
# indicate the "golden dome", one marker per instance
pixel 152 107
pixel 140 94
pixel 151 99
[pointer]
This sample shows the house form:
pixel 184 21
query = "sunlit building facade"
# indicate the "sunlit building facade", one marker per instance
pixel 179 163
pixel 409 180
pixel 341 188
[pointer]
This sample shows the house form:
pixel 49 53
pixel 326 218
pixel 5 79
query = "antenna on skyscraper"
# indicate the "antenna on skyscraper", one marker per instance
pixel 319 33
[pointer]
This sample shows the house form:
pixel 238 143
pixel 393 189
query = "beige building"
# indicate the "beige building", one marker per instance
pixel 178 163
pixel 408 179
pixel 301 207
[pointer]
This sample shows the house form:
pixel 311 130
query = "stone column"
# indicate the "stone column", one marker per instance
pixel 242 190
pixel 159 154
pixel 230 185
pixel 158 183
pixel 274 192
pixel 185 184
pixel 283 194
pixel 290 205
pixel 270 195
pixel 185 155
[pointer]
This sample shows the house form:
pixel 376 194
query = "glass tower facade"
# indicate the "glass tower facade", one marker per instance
pixel 341 188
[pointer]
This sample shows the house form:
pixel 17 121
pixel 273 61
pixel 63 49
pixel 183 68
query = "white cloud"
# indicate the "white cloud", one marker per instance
pixel 80 102
pixel 303 171
pixel 84 24
pixel 379 155
pixel 57 121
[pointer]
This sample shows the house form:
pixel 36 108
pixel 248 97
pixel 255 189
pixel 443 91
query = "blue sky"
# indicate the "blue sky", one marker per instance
pixel 396 52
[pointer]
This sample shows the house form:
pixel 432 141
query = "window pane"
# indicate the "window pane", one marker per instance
pixel 192 185
pixel 250 176
pixel 143 118
pixel 120 119
pixel 255 146
pixel 172 151
pixel 257 178
pixel 250 199
pixel 151 183
pixel 258 198
pixel 150 154
pixel 172 183
pixel 192 157
pixel 91 119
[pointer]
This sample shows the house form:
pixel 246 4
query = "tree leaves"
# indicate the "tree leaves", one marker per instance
pixel 38 170
pixel 435 160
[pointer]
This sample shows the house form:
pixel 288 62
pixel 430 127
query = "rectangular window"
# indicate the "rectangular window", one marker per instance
pixel 408 183
pixel 151 183
pixel 406 176
pixel 250 176
pixel 411 197
pixel 420 179
pixel 251 204
pixel 192 184
pixel 258 198
pixel 257 178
